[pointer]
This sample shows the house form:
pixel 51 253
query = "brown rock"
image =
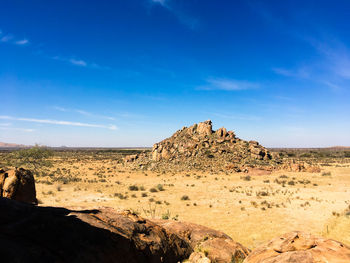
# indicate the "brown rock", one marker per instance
pixel 18 184
pixel 165 154
pixel 45 234
pixel 131 158
pixel 222 132
pixel 205 128
pixel 156 155
pixel 199 257
pixel 302 248
pixel 218 246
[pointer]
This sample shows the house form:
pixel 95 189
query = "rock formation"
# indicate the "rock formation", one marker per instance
pixel 198 146
pixel 200 140
pixel 18 184
pixel 300 247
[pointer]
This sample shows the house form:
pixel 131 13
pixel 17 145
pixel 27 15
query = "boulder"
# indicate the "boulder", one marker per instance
pixel 30 233
pixel 199 257
pixel 131 158
pixel 217 246
pixel 205 128
pixel 18 184
pixel 221 133
pixel 302 248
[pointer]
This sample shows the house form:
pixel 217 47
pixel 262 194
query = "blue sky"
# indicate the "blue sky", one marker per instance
pixel 130 73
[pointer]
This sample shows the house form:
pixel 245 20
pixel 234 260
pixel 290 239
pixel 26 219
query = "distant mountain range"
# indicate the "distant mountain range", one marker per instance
pixel 12 145
pixel 340 147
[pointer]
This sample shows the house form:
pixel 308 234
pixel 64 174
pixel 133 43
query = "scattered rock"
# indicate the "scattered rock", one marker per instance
pixel 18 184
pixel 302 248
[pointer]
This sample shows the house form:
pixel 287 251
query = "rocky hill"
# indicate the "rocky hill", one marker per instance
pixel 199 146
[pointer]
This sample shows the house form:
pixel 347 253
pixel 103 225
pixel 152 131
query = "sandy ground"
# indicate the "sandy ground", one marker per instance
pixel 250 211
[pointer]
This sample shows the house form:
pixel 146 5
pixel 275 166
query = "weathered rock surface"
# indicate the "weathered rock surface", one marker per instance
pixel 198 146
pixel 300 247
pixel 131 158
pixel 209 245
pixel 299 166
pixel 18 184
pixel 45 234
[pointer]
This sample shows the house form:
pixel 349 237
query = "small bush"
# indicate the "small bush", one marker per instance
pixel 246 178
pixel 133 188
pixel 160 187
pixel 185 198
pixel 291 183
pixel 153 190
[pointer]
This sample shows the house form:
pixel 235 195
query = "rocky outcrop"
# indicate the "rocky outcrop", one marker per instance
pixel 200 140
pixel 302 248
pixel 209 245
pixel 299 166
pixel 18 184
pixel 45 234
pixel 198 146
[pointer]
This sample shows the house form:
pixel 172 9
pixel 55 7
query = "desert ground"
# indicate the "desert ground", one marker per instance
pixel 252 207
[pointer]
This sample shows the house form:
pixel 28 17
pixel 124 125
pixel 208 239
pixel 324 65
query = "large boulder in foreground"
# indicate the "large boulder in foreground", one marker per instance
pixel 302 248
pixel 18 184
pixel 30 233
pixel 209 245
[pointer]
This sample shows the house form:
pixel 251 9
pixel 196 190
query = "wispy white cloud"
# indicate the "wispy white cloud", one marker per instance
pixel 10 39
pixel 337 57
pixel 6 38
pixel 8 126
pixel 82 112
pixel 228 85
pixel 184 18
pixel 79 62
pixel 60 108
pixel 333 86
pixel 297 73
pixel 245 117
pixel 161 2
pixel 22 42
pixel 59 122
pixel 331 68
